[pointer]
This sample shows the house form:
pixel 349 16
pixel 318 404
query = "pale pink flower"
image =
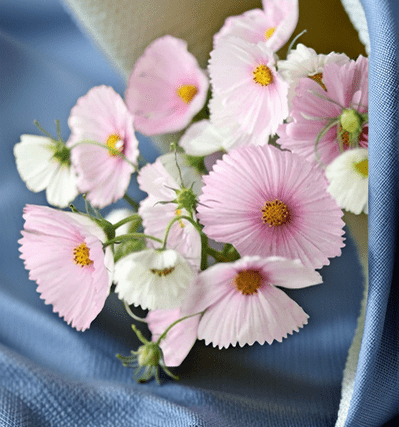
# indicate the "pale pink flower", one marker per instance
pixel 64 254
pixel 243 304
pixel 246 84
pixel 180 338
pixel 317 109
pixel 104 173
pixel 273 26
pixel 166 87
pixel 270 202
pixel 159 184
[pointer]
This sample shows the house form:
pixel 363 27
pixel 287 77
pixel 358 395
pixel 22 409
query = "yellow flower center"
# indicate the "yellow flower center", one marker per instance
pixel 187 92
pixel 162 273
pixel 275 213
pixel 262 75
pixel 318 78
pixel 115 144
pixel 362 167
pixel 247 281
pixel 81 255
pixel 269 32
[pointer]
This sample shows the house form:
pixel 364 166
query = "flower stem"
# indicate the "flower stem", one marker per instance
pixel 132 315
pixel 219 256
pixel 126 220
pixel 204 251
pixel 178 218
pixel 131 202
pixel 165 332
pixel 130 236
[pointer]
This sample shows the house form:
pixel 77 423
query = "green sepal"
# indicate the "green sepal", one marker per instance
pixel 197 162
pixel 128 246
pixel 106 226
pixel 62 154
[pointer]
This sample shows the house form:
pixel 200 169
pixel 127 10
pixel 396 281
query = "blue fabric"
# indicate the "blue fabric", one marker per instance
pixel 376 394
pixel 52 375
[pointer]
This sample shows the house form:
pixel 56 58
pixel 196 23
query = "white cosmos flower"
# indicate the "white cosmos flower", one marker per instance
pixel 153 278
pixel 305 62
pixel 348 180
pixel 44 164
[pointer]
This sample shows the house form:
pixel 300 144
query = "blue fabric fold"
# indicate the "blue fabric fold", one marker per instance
pixel 53 375
pixel 376 392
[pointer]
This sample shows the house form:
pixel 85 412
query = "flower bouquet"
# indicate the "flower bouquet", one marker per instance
pixel 249 199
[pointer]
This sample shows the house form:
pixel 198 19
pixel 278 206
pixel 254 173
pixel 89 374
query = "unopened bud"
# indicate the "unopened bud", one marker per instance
pixel 351 121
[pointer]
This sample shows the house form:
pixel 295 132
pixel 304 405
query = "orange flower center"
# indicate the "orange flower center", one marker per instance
pixel 247 281
pixel 262 75
pixel 344 136
pixel 115 144
pixel 81 255
pixel 162 273
pixel 269 32
pixel 275 213
pixel 187 92
pixel 318 78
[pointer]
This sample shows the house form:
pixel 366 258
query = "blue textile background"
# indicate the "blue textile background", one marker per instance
pixel 52 375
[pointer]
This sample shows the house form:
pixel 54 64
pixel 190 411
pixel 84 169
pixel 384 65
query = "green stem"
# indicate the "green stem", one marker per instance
pixel 130 236
pixel 131 314
pixel 126 220
pixel 175 219
pixel 294 41
pixel 175 323
pixel 219 256
pixel 204 251
pixel 131 202
pixel 322 133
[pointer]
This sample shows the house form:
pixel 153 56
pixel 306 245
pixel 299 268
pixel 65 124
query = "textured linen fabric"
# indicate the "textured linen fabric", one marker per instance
pixel 52 375
pixel 375 398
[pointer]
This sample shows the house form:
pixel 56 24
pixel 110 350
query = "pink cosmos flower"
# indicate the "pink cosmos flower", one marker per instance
pixel 243 304
pixel 270 202
pixel 273 26
pixel 180 338
pixel 336 111
pixel 103 172
pixel 64 254
pixel 247 88
pixel 166 87
pixel 159 184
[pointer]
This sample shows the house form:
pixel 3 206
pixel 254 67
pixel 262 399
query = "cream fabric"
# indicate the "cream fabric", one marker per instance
pixel 123 28
pixel 356 14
